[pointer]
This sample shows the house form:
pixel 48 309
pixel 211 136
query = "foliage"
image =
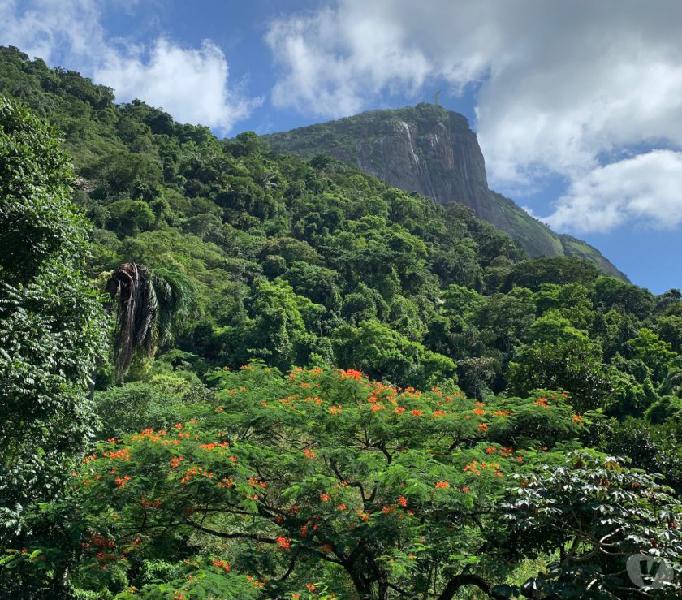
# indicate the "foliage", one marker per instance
pixel 51 323
pixel 321 478
pixel 592 513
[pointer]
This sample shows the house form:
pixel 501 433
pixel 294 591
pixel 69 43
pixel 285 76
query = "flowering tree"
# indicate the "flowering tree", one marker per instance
pixel 318 484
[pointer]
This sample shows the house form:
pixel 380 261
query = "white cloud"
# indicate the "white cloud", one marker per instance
pixel 190 83
pixel 336 61
pixel 50 29
pixel 645 189
pixel 562 84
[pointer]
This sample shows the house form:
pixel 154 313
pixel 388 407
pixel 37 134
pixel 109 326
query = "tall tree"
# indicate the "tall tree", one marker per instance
pixel 51 322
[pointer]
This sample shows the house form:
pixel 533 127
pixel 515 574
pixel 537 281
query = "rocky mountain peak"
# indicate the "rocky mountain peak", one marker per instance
pixel 432 151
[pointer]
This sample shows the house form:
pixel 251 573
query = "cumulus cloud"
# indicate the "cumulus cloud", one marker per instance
pixel 646 189
pixel 561 85
pixel 190 83
pixel 52 29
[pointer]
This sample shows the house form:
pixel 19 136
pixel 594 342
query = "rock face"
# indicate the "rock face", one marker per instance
pixel 432 151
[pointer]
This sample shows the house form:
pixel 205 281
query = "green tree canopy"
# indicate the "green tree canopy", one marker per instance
pixel 51 322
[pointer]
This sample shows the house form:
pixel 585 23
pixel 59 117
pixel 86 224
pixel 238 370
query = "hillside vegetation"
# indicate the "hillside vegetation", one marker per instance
pixel 432 151
pixel 315 385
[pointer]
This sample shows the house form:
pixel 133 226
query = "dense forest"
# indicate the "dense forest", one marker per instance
pixel 229 373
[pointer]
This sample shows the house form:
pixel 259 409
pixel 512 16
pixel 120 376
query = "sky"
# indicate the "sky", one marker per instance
pixel 577 105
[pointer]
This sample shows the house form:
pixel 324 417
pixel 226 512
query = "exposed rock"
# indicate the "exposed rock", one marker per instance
pixel 432 151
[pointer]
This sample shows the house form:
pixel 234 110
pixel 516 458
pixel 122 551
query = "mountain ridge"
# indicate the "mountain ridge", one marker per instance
pixel 432 151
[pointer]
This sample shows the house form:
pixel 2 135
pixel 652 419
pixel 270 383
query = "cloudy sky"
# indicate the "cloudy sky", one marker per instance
pixel 578 105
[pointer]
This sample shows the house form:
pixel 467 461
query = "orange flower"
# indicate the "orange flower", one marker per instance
pixel 577 419
pixel 308 453
pixel 416 412
pixel 483 427
pixel 399 410
pixel 342 506
pixel 178 426
pixel 402 501
pixel 542 402
pixel 439 413
pixel 442 485
pixel 386 509
pixel 490 450
pixel 311 587
pixel 466 489
pixel 295 596
pixel 336 409
pixel 175 461
pixel 122 481
pixel 473 468
pixel 233 458
pixel 259 585
pixel 363 516
pixel 122 454
pixel 213 445
pixel 350 374
pixel 283 542
pixel 189 475
pixel 376 407
pixel 226 483
pixel 325 497
pixel 150 435
pixel 222 564
pixel 479 411
pixel 255 482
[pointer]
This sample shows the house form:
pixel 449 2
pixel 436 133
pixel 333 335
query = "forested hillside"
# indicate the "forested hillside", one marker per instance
pixel 315 385
pixel 432 151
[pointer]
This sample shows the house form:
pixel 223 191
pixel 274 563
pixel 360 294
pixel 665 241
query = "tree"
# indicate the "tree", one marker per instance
pixel 610 292
pixel 654 352
pixel 384 353
pixel 506 318
pixel 149 308
pixel 51 323
pixel 320 481
pixel 560 357
pixel 278 331
pixel 592 514
pixel 130 217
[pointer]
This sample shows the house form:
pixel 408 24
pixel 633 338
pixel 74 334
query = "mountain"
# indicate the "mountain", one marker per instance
pixel 432 151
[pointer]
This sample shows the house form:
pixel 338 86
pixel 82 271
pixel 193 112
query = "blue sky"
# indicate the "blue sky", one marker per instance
pixel 578 106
